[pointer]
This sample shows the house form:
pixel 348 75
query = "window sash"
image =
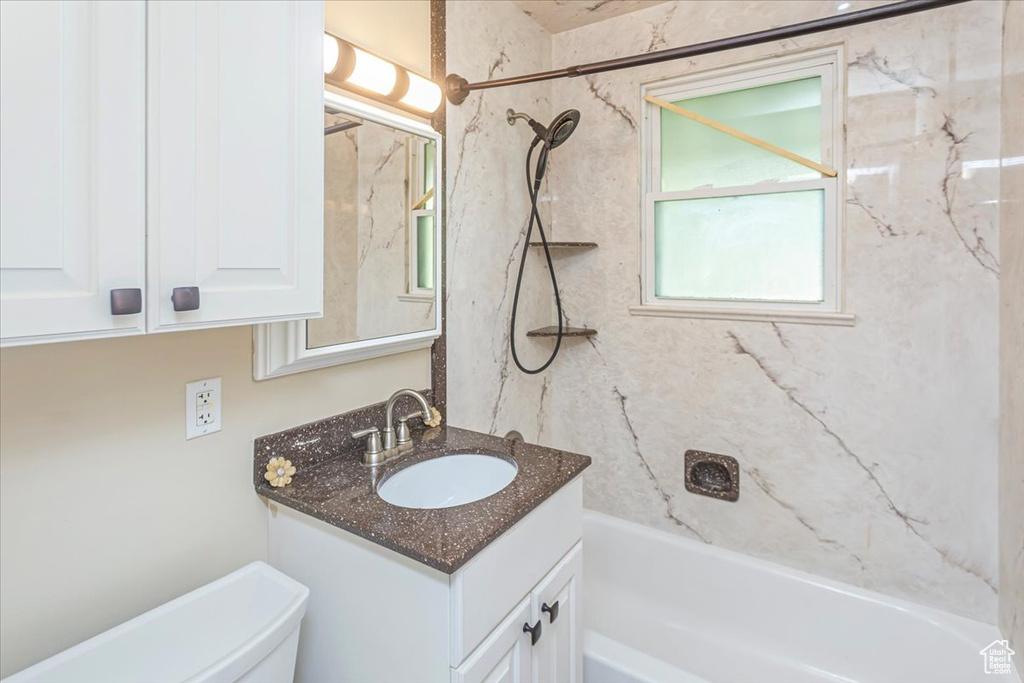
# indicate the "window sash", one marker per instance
pixel 417 182
pixel 414 245
pixel 830 289
pixel 676 93
pixel 824 63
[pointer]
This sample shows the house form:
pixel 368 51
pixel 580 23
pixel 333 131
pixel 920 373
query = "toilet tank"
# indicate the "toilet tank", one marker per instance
pixel 243 627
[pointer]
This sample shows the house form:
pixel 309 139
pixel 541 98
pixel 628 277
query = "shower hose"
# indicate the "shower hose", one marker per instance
pixel 533 187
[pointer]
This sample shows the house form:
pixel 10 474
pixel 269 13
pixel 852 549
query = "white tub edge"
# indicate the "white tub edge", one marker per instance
pixel 966 628
pixel 626 661
pixel 931 614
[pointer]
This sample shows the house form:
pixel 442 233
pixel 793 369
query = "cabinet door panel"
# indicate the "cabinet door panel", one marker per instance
pixel 236 160
pixel 486 588
pixel 72 167
pixel 559 657
pixel 505 656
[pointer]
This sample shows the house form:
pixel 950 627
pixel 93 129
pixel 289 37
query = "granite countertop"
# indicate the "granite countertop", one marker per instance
pixel 342 492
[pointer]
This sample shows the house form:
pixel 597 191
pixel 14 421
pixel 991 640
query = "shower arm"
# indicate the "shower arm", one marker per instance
pixel 458 88
pixel 339 127
pixel 511 117
pixel 539 130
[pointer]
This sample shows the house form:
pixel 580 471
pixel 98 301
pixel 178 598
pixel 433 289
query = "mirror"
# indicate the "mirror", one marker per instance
pixel 382 249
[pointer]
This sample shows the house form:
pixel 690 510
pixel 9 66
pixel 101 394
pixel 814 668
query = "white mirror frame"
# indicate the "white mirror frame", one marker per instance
pixel 280 348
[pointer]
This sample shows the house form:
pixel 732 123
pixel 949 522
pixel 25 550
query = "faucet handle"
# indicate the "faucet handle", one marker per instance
pixel 402 435
pixel 373 451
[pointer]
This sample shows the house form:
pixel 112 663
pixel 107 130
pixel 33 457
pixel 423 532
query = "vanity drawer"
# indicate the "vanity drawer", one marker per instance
pixel 486 589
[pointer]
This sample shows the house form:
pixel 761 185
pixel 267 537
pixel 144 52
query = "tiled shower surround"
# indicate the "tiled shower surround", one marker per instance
pixel 867 453
pixel 1011 466
pixel 486 221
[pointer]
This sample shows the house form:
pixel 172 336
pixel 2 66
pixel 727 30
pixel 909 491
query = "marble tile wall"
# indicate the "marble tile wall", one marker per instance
pixel 365 239
pixel 341 254
pixel 562 15
pixel 383 240
pixel 488 207
pixel 1011 469
pixel 868 454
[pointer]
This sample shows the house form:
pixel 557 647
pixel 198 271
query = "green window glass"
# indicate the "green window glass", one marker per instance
pixel 428 172
pixel 425 252
pixel 754 247
pixel 786 114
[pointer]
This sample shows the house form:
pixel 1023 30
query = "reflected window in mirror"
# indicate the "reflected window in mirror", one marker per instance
pixel 421 218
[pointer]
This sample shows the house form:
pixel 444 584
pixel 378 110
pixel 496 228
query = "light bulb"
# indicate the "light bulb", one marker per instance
pixel 331 53
pixel 422 94
pixel 372 73
pixel 843 6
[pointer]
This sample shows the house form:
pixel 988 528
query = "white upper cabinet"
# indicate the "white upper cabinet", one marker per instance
pixel 158 149
pixel 72 169
pixel 235 162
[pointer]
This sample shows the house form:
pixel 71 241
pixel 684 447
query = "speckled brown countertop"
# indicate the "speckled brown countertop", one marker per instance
pixel 341 492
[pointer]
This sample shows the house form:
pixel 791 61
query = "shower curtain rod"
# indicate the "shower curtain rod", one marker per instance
pixel 458 88
pixel 338 127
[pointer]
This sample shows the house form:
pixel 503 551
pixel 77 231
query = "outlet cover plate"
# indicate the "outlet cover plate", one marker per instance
pixel 202 407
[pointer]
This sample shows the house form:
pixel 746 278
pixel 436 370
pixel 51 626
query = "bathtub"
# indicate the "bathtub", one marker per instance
pixel 661 608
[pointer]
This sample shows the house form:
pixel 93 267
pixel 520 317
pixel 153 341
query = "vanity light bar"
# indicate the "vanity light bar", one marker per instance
pixel 353 68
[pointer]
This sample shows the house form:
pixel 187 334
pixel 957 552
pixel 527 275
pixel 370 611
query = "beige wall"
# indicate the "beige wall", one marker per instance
pixel 105 509
pixel 396 29
pixel 1011 314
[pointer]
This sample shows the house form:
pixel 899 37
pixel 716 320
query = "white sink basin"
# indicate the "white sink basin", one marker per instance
pixel 447 481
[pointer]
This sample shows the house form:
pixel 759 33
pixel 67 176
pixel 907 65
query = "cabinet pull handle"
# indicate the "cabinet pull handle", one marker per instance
pixel 552 611
pixel 125 301
pixel 534 631
pixel 185 298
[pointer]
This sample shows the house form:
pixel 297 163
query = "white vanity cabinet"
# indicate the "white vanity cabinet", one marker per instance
pixel 375 615
pixel 505 657
pixel 158 149
pixel 557 604
pixel 553 608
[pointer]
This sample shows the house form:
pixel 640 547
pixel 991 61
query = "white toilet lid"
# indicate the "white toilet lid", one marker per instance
pixel 218 631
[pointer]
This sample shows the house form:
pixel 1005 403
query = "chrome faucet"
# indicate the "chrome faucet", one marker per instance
pixel 392 442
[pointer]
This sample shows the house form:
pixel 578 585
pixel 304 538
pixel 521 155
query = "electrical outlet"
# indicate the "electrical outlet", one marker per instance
pixel 202 407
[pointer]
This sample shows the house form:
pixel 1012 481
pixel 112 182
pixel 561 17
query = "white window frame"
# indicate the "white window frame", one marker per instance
pixel 829 63
pixel 416 293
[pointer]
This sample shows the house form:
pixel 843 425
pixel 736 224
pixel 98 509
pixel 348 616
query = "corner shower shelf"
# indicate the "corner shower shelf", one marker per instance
pixel 567 245
pixel 552 331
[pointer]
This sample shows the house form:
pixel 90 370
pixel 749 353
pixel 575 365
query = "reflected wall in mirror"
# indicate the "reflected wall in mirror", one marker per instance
pixel 381 245
pixel 378 233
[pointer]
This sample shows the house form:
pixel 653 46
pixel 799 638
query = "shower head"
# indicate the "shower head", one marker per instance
pixel 553 135
pixel 562 127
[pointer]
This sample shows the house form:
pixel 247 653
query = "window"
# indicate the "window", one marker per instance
pixel 732 229
pixel 421 235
